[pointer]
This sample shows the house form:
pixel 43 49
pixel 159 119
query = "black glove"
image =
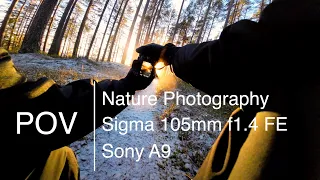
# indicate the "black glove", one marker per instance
pixel 151 50
pixel 136 81
pixel 156 51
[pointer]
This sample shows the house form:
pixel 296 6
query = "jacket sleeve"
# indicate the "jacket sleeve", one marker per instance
pixel 89 103
pixel 219 61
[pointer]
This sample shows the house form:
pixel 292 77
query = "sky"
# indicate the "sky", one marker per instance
pixel 177 4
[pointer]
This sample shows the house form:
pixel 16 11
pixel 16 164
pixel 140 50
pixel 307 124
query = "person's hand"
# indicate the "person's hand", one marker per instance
pixel 137 81
pixel 151 50
pixel 158 52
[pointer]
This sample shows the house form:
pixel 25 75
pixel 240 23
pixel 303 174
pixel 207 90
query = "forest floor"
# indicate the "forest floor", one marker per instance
pixel 188 149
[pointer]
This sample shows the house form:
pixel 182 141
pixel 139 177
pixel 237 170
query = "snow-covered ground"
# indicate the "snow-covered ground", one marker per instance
pixel 124 168
pixel 188 149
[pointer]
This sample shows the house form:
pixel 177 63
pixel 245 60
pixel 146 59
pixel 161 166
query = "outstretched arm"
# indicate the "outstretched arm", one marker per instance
pixel 79 97
pixel 72 105
pixel 225 62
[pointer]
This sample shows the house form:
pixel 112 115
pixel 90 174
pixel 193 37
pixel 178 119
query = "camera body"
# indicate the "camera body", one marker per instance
pixel 147 66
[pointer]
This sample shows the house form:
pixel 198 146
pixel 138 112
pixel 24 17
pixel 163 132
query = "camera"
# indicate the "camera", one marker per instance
pixel 147 66
pixel 146 69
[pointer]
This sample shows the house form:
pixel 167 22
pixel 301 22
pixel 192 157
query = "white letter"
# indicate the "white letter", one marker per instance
pixel 279 123
pixel 152 100
pixel 252 96
pixel 127 152
pixel 54 123
pixel 66 129
pixel 216 105
pixel 209 100
pixel 264 101
pixel 123 130
pixel 154 148
pixel 194 99
pixel 165 96
pixel 139 154
pixel 134 125
pixel 198 98
pixel 107 123
pixel 267 118
pixel 149 126
pixel 243 97
pixel 105 95
pixel 104 148
pixel 233 100
pixel 23 123
pixel 178 99
pixel 128 97
pixel 166 151
pixel 116 154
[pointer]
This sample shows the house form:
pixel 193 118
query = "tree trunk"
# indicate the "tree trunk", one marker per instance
pixel 67 48
pixel 21 25
pixel 15 23
pixel 106 29
pixel 83 23
pixel 168 27
pixel 26 25
pixel 115 53
pixel 84 46
pixel 204 22
pixel 63 51
pixel 32 40
pixel 97 28
pixel 110 35
pixel 69 31
pixel 153 15
pixel 49 26
pixel 117 29
pixel 156 23
pixel 62 26
pixel 184 41
pixel 6 19
pixel 34 15
pixel 228 13
pixel 144 33
pixel 212 22
pixel 124 57
pixel 240 11
pixel 137 44
pixel 204 32
pixel 94 46
pixel 176 26
pixel 234 13
pixel 194 29
pixel 261 6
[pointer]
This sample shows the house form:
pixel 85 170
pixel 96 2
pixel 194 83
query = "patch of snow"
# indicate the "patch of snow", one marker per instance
pixel 124 168
pixel 83 66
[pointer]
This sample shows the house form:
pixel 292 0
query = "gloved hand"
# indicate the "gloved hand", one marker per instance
pixel 158 52
pixel 136 81
pixel 151 50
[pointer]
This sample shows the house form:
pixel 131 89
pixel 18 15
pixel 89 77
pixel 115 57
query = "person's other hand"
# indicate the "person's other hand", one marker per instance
pixel 151 50
pixel 158 52
pixel 137 81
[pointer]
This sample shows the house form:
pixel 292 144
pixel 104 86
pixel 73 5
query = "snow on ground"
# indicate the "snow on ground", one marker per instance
pixel 81 66
pixel 124 168
pixel 188 149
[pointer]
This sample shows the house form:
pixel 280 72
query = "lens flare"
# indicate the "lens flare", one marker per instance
pixel 166 79
pixel 159 69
